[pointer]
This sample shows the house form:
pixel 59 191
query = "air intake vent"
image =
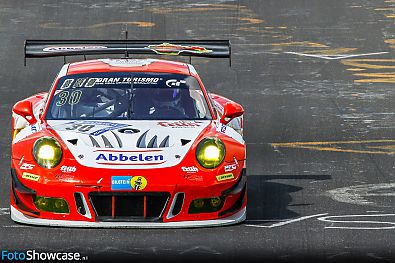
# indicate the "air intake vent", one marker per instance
pixel 79 203
pixel 178 204
pixel 111 206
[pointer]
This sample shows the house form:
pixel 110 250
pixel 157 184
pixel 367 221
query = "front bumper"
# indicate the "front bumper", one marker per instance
pixel 233 210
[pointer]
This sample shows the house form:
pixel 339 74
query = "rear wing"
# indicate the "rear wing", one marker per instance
pixel 190 48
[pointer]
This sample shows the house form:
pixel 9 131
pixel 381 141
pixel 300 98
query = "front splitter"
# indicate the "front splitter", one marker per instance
pixel 19 217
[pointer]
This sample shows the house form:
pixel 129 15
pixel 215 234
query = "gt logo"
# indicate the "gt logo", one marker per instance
pixel 68 169
pixel 27 166
pixel 190 169
pixel 230 167
pixel 173 82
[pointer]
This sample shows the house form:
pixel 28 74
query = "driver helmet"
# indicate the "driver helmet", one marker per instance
pixel 164 97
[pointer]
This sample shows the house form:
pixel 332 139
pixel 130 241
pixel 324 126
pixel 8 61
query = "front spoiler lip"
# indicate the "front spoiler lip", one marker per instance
pixel 19 217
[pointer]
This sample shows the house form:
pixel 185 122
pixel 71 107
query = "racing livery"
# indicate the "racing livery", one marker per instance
pixel 127 143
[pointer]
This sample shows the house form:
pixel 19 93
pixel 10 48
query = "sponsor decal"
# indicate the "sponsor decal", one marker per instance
pixel 68 169
pixel 120 81
pixel 121 183
pixel 93 128
pixel 66 84
pixel 221 128
pixel 138 183
pixel 27 166
pixel 151 81
pixel 190 169
pixel 29 176
pixel 66 178
pixel 71 48
pixel 173 49
pixel 128 62
pixel 224 177
pixel 33 128
pixel 194 177
pixel 127 158
pixel 174 83
pixel 180 124
pixel 128 183
pixel 91 82
pixel 230 167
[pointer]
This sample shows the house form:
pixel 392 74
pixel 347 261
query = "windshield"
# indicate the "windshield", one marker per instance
pixel 128 96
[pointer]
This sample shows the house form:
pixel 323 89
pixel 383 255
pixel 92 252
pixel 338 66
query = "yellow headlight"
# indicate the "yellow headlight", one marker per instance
pixel 47 152
pixel 210 152
pixel 51 204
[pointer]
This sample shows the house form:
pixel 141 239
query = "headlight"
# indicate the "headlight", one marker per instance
pixel 47 152
pixel 49 204
pixel 210 152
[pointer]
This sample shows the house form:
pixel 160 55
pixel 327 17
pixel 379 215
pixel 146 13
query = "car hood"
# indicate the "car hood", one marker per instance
pixel 128 144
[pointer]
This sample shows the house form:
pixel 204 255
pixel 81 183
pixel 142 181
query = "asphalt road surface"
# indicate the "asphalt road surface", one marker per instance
pixel 316 79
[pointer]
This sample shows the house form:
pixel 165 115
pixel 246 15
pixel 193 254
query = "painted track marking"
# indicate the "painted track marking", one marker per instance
pixel 288 221
pixel 335 57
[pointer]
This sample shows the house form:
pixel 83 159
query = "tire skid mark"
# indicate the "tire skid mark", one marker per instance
pixel 362 194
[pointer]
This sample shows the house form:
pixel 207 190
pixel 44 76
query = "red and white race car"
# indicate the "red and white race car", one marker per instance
pixel 127 142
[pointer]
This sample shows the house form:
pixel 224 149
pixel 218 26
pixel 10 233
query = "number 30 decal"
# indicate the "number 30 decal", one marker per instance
pixel 64 97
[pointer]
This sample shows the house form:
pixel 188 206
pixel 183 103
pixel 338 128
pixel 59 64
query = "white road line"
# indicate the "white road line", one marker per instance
pixel 288 221
pixel 334 57
pixel 327 219
pixel 15 226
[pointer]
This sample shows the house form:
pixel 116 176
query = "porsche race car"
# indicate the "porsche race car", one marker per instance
pixel 123 142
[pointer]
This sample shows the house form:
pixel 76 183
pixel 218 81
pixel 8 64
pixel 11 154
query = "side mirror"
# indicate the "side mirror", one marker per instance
pixel 231 111
pixel 25 109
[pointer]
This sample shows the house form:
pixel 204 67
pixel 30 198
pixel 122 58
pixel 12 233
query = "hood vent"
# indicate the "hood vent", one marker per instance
pixel 153 142
pixel 118 139
pixel 94 142
pixel 128 130
pixel 141 140
pixel 165 142
pixel 73 141
pixel 184 141
pixel 107 143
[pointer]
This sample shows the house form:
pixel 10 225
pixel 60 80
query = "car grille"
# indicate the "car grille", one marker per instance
pixel 118 206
